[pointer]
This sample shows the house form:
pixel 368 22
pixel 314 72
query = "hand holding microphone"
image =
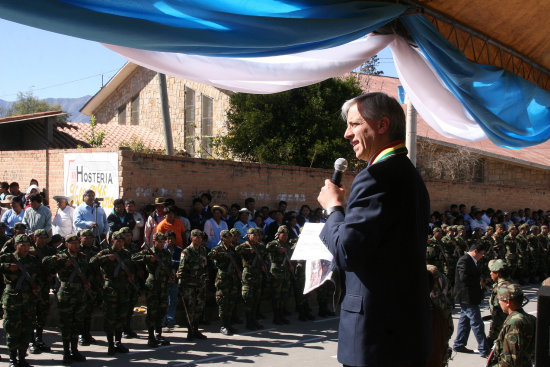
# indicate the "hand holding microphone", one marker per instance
pixel 332 194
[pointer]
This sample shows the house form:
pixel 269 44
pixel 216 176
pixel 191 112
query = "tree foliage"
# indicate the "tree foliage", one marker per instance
pixel 299 127
pixel 28 103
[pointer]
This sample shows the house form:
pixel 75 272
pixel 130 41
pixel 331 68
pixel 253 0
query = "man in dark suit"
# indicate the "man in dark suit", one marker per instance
pixel 380 242
pixel 469 294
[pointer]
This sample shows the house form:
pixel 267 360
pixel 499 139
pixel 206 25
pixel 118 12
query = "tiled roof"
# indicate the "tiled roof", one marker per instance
pixel 538 155
pixel 30 116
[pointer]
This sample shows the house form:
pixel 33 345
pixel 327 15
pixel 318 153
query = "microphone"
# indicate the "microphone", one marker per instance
pixel 340 166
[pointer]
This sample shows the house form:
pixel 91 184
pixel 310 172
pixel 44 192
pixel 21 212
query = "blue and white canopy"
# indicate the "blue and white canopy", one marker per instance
pixel 267 46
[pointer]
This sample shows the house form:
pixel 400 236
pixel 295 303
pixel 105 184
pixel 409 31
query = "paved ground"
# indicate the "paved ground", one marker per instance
pixel 303 344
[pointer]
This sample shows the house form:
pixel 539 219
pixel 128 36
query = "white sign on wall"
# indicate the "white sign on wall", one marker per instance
pixel 96 171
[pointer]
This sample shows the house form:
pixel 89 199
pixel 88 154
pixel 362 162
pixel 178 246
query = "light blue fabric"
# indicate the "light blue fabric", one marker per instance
pixel 84 215
pixel 513 112
pixel 233 28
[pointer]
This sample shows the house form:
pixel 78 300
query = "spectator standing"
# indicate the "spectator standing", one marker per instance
pixel 153 221
pixel 4 190
pixel 243 224
pixel 120 218
pixel 197 217
pixel 138 218
pixel 171 223
pixel 13 215
pixel 14 190
pixel 63 221
pixel 37 216
pixel 214 226
pixel 89 215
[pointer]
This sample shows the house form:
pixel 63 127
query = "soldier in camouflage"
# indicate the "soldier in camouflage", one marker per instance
pixel 115 263
pixel 41 250
pixel 442 315
pixel 511 245
pixel 228 280
pixel 499 275
pixel 235 234
pixel 535 254
pixel 451 255
pixel 545 249
pixel 71 266
pixel 158 263
pixel 499 250
pixel 139 276
pixel 251 253
pixel 21 271
pixel 93 299
pixel 192 273
pixel 434 251
pixel 460 239
pixel 515 345
pixel 281 272
pixel 9 245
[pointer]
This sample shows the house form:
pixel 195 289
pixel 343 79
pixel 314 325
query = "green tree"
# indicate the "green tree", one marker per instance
pixel 28 103
pixel 299 127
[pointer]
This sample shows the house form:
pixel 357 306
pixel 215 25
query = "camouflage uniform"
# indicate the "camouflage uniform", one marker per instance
pixel 192 272
pixel 499 250
pixel 451 257
pixel 461 242
pixel 544 248
pixel 515 345
pixel 301 299
pixel 434 251
pixel 252 257
pixel 158 264
pixel 93 299
pixel 511 245
pixel 535 253
pixel 497 315
pixel 9 245
pixel 138 270
pixel 227 282
pixel 524 257
pixel 71 297
pixel 442 314
pixel 19 299
pixel 116 275
pixel 281 271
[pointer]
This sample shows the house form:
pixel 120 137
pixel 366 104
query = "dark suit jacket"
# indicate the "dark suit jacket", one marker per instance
pixel 380 243
pixel 467 287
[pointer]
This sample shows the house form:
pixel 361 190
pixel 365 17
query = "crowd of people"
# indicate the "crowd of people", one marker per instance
pixel 231 257
pixel 466 253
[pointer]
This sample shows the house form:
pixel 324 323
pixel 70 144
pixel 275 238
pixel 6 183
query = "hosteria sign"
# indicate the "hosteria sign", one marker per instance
pixel 96 171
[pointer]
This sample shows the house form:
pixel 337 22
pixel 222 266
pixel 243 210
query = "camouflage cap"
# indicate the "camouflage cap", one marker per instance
pixel 437 230
pixel 524 226
pixel 234 232
pixel 159 236
pixel 118 235
pixel 282 229
pixel 489 228
pixel 454 228
pixel 71 237
pixel 19 225
pixel 225 234
pixel 460 228
pixel 196 233
pixel 497 265
pixel 41 233
pixel 20 238
pixel 251 231
pixel 544 227
pixel 170 234
pixel 86 233
pixel 500 225
pixel 125 230
pixel 512 226
pixel 534 228
pixel 507 291
pixel 444 226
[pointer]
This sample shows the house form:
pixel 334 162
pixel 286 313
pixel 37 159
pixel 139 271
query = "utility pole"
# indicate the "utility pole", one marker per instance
pixel 166 114
pixel 410 140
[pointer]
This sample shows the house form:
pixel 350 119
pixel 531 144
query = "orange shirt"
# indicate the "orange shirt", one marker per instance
pixel 177 227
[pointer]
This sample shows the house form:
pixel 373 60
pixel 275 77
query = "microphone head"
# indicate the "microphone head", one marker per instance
pixel 341 165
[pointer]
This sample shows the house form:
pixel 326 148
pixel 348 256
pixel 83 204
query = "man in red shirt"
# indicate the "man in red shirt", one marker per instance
pixel 172 223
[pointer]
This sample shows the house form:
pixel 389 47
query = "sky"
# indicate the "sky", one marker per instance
pixel 53 65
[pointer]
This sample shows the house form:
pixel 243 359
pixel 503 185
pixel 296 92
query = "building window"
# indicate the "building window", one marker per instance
pixel 134 118
pixel 189 120
pixel 122 115
pixel 207 130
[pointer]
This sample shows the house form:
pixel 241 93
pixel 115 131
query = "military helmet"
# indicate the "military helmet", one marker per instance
pixel 225 234
pixel 41 233
pixel 196 233
pixel 125 230
pixel 497 265
pixel 86 233
pixel 71 237
pixel 19 225
pixel 118 235
pixel 20 238
pixel 507 291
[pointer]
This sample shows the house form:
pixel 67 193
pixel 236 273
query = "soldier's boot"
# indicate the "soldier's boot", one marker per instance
pixel 256 323
pixel 308 313
pixel 67 352
pixel 86 338
pixel 128 332
pixel 226 329
pixel 301 313
pixel 22 361
pixel 282 317
pixel 158 335
pixel 39 342
pixel 190 333
pixel 119 347
pixel 151 340
pixel 276 315
pixel 111 344
pixel 235 317
pixel 13 359
pixel 75 354
pixel 33 347
pixel 250 325
pixel 197 334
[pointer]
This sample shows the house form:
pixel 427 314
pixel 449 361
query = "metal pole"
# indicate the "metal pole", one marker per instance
pixel 411 131
pixel 166 114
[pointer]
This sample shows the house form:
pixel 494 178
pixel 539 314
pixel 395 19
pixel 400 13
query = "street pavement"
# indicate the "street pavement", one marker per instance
pixel 303 344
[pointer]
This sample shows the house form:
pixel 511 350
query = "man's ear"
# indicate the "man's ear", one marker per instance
pixel 383 125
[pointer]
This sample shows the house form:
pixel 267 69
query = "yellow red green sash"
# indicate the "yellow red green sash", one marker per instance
pixel 394 148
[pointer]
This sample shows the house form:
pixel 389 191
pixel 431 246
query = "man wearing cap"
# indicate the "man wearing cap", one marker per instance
pixel 139 279
pixel 9 245
pixel 42 250
pixel 534 247
pixel 214 225
pixel 489 243
pixel 13 215
pixel 191 273
pixel 281 270
pixel 174 224
pixel 63 221
pixel 244 224
pixel 511 245
pixel 93 299
pixel 89 215
pixel 469 294
pixel 435 254
pixel 115 263
pixel 498 241
pixel 254 265
pixel 37 216
pixel 71 267
pixel 451 258
pixel 19 297
pixel 158 264
pixel 173 290
pixel 515 345
pixel 228 280
pixel 499 276
pixel 524 257
pixel 545 248
pixel 153 221
pixel 461 241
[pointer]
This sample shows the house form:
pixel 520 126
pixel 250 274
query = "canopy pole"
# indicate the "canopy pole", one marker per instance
pixel 166 114
pixel 410 140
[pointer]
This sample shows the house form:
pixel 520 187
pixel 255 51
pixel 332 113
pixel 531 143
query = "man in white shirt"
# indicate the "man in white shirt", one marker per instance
pixel 140 222
pixel 63 222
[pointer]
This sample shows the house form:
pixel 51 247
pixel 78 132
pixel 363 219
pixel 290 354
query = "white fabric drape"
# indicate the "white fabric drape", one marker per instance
pixel 435 103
